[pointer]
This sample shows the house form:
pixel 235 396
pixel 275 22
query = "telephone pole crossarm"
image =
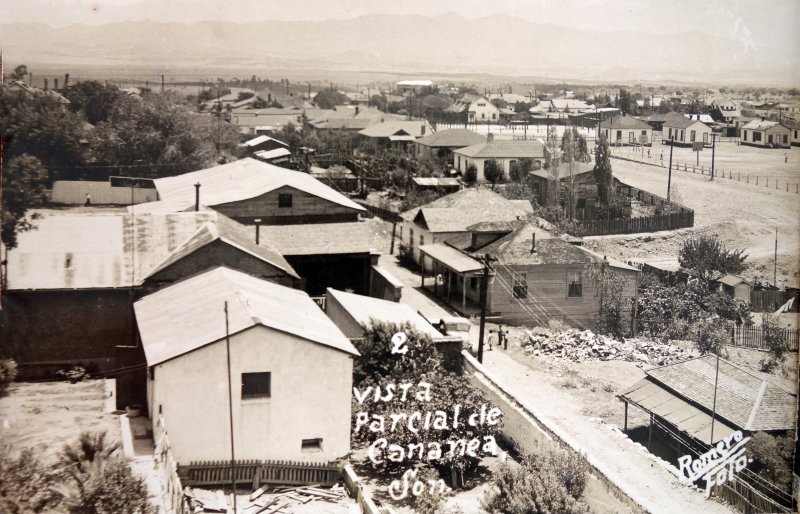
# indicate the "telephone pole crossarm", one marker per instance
pixel 487 268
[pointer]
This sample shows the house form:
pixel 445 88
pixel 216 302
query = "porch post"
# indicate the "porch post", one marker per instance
pixel 464 295
pixel 449 282
pixel 422 261
pixel 436 278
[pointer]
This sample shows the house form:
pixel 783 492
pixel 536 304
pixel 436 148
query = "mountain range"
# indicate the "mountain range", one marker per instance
pixel 449 43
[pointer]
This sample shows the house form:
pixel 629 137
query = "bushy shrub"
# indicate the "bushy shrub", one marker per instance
pixel 25 484
pixel 405 256
pixel 772 458
pixel 776 343
pixel 471 174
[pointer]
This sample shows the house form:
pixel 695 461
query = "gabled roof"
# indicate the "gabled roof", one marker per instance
pixel 504 149
pixel 188 315
pixel 679 121
pixel 761 125
pixel 436 181
pixel 365 309
pixel 457 211
pixel 113 250
pixel 452 138
pixel 237 181
pixel 262 139
pixel 623 122
pixel 232 233
pixel 733 280
pixel 397 127
pixel 561 104
pixel 750 402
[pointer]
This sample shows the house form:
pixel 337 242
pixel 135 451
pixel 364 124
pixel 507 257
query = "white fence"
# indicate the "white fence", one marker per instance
pixel 73 192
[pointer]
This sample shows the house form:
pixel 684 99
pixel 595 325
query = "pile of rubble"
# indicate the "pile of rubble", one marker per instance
pixel 268 500
pixel 578 346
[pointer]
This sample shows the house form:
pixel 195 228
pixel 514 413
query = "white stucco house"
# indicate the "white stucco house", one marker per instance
pixel 685 131
pixel 482 110
pixel 504 152
pixel 625 130
pixel 290 368
pixel 766 134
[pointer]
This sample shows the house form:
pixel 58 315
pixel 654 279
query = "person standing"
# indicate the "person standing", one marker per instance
pixel 88 200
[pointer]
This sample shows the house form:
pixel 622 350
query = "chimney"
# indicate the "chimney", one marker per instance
pixel 533 243
pixel 257 221
pixel 197 197
pixel 55 84
pixel 45 84
pixel 422 130
pixel 66 80
pixel 489 137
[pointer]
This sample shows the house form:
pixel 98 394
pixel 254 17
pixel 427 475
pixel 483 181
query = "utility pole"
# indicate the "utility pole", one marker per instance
pixel 775 268
pixel 162 84
pixel 669 176
pixel 487 260
pixel 714 404
pixel 713 147
pixel 230 406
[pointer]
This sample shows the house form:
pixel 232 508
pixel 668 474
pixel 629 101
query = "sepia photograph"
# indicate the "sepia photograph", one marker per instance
pixel 399 257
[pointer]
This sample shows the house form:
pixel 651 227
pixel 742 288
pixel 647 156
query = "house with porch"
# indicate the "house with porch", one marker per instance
pixel 451 215
pixel 564 185
pixel 684 131
pixel 536 277
pixel 254 192
pixel 226 340
pixel 397 134
pixel 442 143
pixel 766 134
pixel 625 130
pixel 505 152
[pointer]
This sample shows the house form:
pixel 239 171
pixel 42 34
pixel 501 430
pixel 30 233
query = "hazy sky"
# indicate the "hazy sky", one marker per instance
pixel 771 23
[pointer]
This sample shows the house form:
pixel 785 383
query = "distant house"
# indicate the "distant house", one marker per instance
pixel 445 185
pixel 569 105
pixel 398 134
pixel 766 134
pixel 537 277
pixel 415 86
pixel 626 130
pixel 682 397
pixel 283 100
pixel 442 143
pixel 265 121
pixel 736 287
pixel 248 190
pixel 263 142
pixel 794 135
pixel 510 98
pixel 451 215
pixel 348 118
pixel 478 109
pixel 78 267
pixel 505 152
pixel 580 180
pixel 683 131
pixel 291 370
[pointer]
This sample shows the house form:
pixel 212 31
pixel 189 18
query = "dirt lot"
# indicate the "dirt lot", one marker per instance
pixel 743 216
pixel 44 416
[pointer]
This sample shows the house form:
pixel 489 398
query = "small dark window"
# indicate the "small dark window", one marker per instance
pixel 310 445
pixel 285 200
pixel 473 282
pixel 520 285
pixel 256 385
pixel 575 284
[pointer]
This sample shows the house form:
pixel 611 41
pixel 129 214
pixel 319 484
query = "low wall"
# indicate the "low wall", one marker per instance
pixel 363 499
pixel 73 192
pixel 521 427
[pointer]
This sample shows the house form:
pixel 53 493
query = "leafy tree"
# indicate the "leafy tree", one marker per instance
pixel 772 458
pixel 518 171
pixel 708 259
pixel 493 172
pixel 602 170
pixel 775 341
pixel 328 99
pixel 547 483
pixel 617 207
pixel 8 373
pixel 471 174
pixel 608 287
pixel 107 486
pixel 26 484
pixel 95 100
pixel 19 72
pixel 90 447
pixel 24 187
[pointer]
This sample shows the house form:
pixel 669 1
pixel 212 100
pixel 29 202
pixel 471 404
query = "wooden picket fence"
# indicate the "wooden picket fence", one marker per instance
pixel 255 472
pixel 769 300
pixel 755 337
pixel 746 499
pixel 384 214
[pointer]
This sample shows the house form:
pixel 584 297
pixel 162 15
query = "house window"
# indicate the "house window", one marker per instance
pixel 681 136
pixel 575 284
pixel 421 240
pixel 473 282
pixel 745 135
pixel 670 133
pixel 285 200
pixel 631 137
pixel 494 115
pixel 705 137
pixel 256 385
pixel 619 135
pixel 756 136
pixel 693 136
pixel 311 445
pixel 483 115
pixel 520 285
pixel 411 236
pixel 785 139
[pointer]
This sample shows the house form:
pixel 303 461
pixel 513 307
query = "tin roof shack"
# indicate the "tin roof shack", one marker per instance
pixel 248 190
pixel 338 255
pixel 559 184
pixel 290 369
pixel 736 287
pixel 626 130
pixel 352 312
pixel 680 400
pixel 451 215
pixel 766 134
pixel 72 281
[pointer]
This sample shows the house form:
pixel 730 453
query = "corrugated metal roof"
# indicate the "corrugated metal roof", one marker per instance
pixel 190 314
pixel 748 401
pixel 365 309
pixel 457 211
pixel 272 154
pixel 761 124
pixel 505 149
pixel 110 250
pixel 240 180
pixel 436 181
pixel 685 416
pixel 320 238
pixel 456 138
pixel 733 280
pixel 452 258
pixel 416 128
